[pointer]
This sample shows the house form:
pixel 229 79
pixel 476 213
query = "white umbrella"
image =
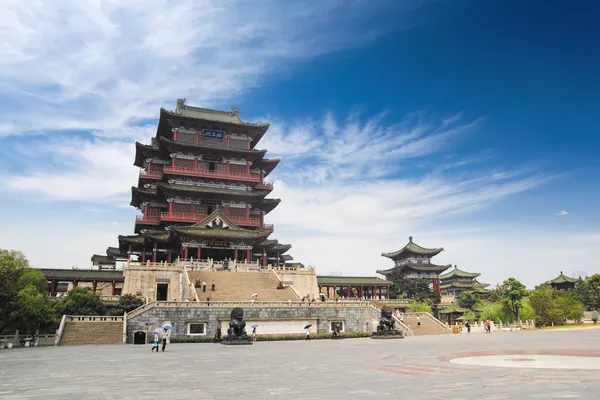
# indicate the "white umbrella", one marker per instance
pixel 254 294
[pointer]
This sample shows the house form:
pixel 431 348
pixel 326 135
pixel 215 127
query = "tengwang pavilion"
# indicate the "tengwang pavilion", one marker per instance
pixel 202 192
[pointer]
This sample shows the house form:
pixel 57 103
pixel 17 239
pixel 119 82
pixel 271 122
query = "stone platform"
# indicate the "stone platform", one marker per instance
pixel 387 335
pixel 346 369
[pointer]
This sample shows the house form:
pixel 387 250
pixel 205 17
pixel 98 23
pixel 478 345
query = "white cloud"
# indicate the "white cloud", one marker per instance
pixel 563 213
pixel 102 65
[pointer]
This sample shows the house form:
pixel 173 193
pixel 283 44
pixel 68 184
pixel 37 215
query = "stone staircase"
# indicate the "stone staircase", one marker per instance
pixel 429 325
pixel 239 286
pixel 92 330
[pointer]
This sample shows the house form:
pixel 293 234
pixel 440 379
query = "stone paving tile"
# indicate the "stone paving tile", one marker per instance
pixel 413 368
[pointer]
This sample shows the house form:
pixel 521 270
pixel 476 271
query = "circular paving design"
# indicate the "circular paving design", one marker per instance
pixel 530 361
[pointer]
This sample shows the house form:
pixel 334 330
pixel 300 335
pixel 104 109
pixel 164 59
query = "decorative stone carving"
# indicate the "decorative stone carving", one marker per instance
pixel 236 334
pixel 386 328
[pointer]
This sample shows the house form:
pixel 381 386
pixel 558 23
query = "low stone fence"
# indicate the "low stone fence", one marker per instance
pixel 18 340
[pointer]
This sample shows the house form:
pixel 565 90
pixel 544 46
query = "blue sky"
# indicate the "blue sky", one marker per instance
pixel 468 125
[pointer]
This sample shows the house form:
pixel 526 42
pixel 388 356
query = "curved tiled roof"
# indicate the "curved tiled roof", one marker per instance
pixel 457 273
pixel 413 248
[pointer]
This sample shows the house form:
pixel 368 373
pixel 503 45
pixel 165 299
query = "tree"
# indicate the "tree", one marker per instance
pixel 513 292
pixel 81 301
pixel 415 289
pixel 12 264
pixel 419 306
pixel 588 292
pixel 570 308
pixel 128 303
pixel 468 300
pixel 544 305
pixel 24 304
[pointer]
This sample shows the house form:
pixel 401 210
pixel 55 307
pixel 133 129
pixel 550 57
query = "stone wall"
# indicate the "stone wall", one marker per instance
pixel 355 318
pixel 144 279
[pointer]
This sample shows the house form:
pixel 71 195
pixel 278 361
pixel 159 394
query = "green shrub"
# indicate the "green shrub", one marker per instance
pixel 275 338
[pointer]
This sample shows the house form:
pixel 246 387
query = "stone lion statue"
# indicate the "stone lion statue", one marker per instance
pixel 237 324
pixel 386 321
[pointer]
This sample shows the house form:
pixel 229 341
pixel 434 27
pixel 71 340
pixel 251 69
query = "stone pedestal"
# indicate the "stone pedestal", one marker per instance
pixel 387 335
pixel 237 340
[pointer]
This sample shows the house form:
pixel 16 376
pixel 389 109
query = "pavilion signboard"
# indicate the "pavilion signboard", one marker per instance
pixel 212 134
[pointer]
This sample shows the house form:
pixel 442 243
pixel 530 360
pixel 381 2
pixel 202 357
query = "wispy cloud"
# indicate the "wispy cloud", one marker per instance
pixel 104 65
pixel 563 213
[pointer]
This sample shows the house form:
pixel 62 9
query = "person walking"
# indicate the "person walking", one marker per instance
pixel 468 325
pixel 254 334
pixel 213 286
pixel 155 342
pixel 307 331
pixel 488 326
pixel 204 286
pixel 164 339
pixel 418 321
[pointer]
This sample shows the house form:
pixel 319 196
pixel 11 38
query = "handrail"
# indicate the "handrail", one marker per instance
pixel 60 330
pixel 216 174
pixel 403 325
pixel 289 286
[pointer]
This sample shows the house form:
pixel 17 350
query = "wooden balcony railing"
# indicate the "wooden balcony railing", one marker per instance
pixel 147 219
pixel 264 185
pixel 151 174
pixel 189 217
pixel 252 221
pixel 185 217
pixel 214 174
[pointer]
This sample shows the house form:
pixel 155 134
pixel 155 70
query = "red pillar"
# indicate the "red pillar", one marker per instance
pixel 171 208
pixel 113 288
pixel 169 257
pixel 94 286
pixel 175 136
pixel 247 213
pixel 154 253
pixel 248 147
pixel 235 254
pixel 361 292
pixel 143 255
pixel 264 258
pixel 149 167
pixel 185 253
pixel 129 254
pixel 173 162
pixel 52 288
pixel 262 220
pixel 248 169
pixel 248 255
pixel 199 253
pixel 228 142
pixel 227 167
pixel 348 296
pixel 388 292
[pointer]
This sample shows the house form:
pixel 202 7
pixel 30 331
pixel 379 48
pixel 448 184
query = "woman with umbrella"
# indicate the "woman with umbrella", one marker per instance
pixel 157 332
pixel 254 332
pixel 165 335
pixel 307 330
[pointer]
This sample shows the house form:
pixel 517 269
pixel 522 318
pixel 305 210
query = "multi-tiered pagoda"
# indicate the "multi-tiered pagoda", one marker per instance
pixel 202 192
pixel 414 262
pixel 457 281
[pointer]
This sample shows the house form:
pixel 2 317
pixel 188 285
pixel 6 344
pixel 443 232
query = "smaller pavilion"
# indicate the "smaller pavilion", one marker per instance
pixel 457 281
pixel 414 262
pixel 563 282
pixel 360 287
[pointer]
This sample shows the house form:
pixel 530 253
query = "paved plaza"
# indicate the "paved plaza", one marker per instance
pixel 425 367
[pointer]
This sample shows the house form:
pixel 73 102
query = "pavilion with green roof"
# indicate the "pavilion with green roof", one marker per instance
pixel 563 282
pixel 458 281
